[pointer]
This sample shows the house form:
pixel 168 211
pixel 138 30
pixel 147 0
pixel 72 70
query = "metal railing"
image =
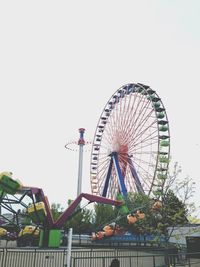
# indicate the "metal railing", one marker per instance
pixel 95 258
pixel 32 258
pixel 136 261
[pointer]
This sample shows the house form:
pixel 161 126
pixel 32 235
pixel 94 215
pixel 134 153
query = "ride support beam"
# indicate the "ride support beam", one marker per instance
pixel 135 176
pixel 39 195
pixel 68 212
pixel 105 189
pixel 120 177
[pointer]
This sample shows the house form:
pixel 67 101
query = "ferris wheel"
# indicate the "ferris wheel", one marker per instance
pixel 131 146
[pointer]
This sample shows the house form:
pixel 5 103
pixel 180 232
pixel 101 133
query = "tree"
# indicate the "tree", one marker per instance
pixel 172 213
pixel 80 220
pixel 103 214
pixel 184 187
pixel 56 210
pixel 143 203
pixel 174 210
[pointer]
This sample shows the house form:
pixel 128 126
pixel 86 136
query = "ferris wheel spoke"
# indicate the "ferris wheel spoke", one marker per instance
pixel 120 112
pixel 105 146
pixel 142 106
pixel 145 121
pixel 102 169
pixel 112 186
pixel 124 119
pixel 130 183
pixel 113 119
pixel 108 133
pixel 103 161
pixel 123 113
pixel 147 146
pixel 143 161
pixel 139 183
pixel 103 164
pixel 146 183
pixel 144 146
pixel 142 113
pixel 111 131
pixel 139 115
pixel 102 155
pixel 102 179
pixel 128 111
pixel 144 136
pixel 145 129
pixel 149 137
pixel 128 163
pixel 133 130
pixel 141 167
pixel 134 114
pixel 131 111
pixel 146 153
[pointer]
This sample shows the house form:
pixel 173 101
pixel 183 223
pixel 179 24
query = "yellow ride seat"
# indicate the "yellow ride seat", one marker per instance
pixel 3 232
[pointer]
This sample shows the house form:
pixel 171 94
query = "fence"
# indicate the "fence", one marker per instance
pixel 136 261
pixel 32 258
pixel 94 258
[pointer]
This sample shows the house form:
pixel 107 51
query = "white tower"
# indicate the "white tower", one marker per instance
pixel 81 143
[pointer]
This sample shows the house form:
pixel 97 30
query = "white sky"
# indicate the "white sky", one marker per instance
pixel 60 61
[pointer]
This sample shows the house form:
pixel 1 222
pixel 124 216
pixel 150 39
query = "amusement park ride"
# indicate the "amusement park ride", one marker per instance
pixel 130 153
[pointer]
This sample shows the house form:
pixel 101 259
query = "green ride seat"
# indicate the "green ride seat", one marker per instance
pixel 9 185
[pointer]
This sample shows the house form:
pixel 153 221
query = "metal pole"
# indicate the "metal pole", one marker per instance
pixel 81 143
pixel 69 247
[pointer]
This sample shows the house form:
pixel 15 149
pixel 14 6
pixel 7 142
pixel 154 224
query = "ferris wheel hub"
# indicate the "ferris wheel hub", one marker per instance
pixel 118 144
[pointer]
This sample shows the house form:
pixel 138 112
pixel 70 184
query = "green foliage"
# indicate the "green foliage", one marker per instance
pixel 137 201
pixel 174 211
pixel 103 214
pixel 56 210
pixel 80 221
pixel 143 203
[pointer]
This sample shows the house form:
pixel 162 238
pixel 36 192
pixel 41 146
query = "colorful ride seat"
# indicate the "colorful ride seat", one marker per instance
pixel 100 235
pixel 131 219
pixel 37 212
pixel 108 230
pixel 3 232
pixel 29 230
pixel 9 185
pixel 140 215
pixel 157 205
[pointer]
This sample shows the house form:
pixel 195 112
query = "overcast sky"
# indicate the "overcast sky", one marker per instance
pixel 60 61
